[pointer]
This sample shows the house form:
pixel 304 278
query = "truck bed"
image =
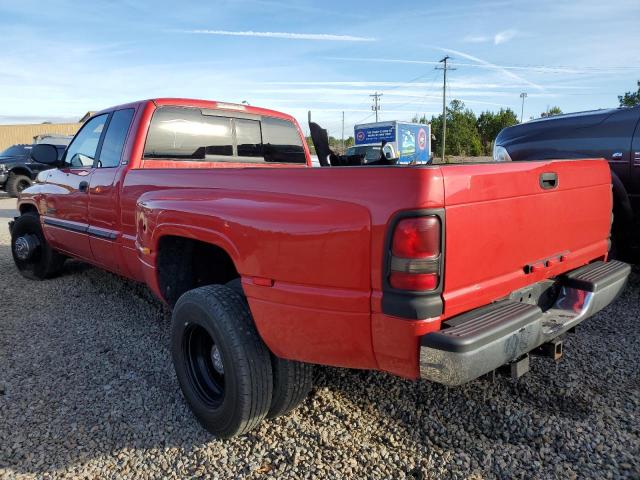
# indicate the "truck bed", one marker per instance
pixel 318 236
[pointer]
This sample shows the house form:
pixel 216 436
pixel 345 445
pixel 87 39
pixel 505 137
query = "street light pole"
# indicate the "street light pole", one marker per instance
pixel 523 95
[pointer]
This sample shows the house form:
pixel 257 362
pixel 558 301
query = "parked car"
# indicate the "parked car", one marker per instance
pixel 18 170
pixel 612 134
pixel 440 272
pixel 371 152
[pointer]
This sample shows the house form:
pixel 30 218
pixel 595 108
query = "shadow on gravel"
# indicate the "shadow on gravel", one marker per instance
pixel 87 377
pixel 85 371
pixel 576 417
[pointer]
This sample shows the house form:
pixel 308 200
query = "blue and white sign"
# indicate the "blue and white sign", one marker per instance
pixel 383 132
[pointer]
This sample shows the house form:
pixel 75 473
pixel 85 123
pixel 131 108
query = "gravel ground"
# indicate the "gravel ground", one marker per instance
pixel 87 389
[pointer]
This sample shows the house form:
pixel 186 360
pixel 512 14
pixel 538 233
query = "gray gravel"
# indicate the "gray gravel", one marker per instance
pixel 87 389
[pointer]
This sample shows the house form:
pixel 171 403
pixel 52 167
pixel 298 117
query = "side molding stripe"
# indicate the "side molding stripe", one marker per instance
pixel 74 227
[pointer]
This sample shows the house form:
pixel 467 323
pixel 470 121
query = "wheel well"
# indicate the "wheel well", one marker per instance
pixel 184 264
pixel 27 207
pixel 21 171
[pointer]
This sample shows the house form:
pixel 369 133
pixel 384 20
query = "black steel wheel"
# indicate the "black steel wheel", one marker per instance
pixel 204 365
pixel 222 365
pixel 32 255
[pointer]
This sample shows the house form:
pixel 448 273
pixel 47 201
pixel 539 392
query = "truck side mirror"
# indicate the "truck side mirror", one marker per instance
pixel 45 153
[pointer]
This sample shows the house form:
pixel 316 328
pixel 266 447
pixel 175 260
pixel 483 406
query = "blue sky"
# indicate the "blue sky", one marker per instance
pixel 59 59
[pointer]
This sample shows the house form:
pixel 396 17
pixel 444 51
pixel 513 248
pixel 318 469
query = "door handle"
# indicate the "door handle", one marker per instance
pixel 616 156
pixel 83 186
pixel 549 180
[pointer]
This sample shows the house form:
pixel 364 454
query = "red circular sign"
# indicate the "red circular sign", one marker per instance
pixel 422 139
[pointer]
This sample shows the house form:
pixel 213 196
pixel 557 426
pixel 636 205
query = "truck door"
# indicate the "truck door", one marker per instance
pixel 104 188
pixel 65 217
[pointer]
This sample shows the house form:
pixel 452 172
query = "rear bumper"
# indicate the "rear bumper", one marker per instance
pixel 482 340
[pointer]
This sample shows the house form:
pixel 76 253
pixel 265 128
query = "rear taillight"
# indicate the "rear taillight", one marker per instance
pixel 415 254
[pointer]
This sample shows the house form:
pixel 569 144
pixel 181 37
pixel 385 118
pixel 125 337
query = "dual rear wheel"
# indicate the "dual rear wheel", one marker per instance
pixel 227 374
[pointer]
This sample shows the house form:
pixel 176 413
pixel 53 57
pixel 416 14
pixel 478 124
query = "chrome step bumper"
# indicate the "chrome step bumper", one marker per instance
pixel 484 339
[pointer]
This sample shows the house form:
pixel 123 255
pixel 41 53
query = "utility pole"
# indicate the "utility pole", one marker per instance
pixel 376 106
pixel 444 101
pixel 343 150
pixel 523 95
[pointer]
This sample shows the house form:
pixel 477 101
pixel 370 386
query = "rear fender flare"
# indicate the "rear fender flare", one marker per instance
pixel 194 233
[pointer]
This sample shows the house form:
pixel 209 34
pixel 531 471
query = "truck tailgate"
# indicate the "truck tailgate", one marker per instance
pixel 510 225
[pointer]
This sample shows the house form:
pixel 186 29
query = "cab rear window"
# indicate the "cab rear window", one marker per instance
pixel 187 134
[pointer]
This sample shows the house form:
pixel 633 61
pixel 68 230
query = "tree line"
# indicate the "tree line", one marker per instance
pixel 467 134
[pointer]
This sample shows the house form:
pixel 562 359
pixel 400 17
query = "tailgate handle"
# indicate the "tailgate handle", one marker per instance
pixel 549 180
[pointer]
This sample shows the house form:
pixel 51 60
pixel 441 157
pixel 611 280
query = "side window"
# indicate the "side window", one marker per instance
pixel 115 138
pixel 248 138
pixel 186 134
pixel 82 150
pixel 281 140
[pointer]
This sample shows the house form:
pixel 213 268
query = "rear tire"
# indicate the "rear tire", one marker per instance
pixel 292 382
pixel 222 365
pixel 17 183
pixel 44 262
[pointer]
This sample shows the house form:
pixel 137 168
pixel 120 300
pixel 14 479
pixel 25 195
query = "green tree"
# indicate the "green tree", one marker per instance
pixel 423 119
pixel 489 125
pixel 551 112
pixel 462 133
pixel 630 99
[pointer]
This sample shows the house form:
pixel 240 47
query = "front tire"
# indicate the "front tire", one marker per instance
pixel 32 255
pixel 222 365
pixel 16 184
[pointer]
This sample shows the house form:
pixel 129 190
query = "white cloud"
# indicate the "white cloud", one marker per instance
pixel 287 35
pixel 504 36
pixel 497 39
pixel 476 39
pixel 492 66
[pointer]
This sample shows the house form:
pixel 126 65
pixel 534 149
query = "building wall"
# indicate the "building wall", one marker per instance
pixel 13 134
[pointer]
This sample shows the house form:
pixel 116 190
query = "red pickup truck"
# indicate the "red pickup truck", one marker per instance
pixel 442 272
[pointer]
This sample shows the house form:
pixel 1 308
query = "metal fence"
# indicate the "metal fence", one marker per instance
pixel 14 134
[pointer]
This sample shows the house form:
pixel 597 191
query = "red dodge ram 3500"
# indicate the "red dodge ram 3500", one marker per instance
pixel 443 273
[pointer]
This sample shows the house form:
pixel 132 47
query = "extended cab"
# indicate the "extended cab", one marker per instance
pixel 437 272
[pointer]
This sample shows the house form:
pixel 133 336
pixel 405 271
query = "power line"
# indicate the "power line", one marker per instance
pixel 444 68
pixel 397 87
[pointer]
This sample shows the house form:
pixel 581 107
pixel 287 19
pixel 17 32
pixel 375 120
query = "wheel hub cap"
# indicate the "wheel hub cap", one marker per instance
pixel 216 359
pixel 25 246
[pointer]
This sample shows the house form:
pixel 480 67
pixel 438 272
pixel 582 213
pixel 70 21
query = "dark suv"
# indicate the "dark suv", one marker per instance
pixel 18 170
pixel 613 134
